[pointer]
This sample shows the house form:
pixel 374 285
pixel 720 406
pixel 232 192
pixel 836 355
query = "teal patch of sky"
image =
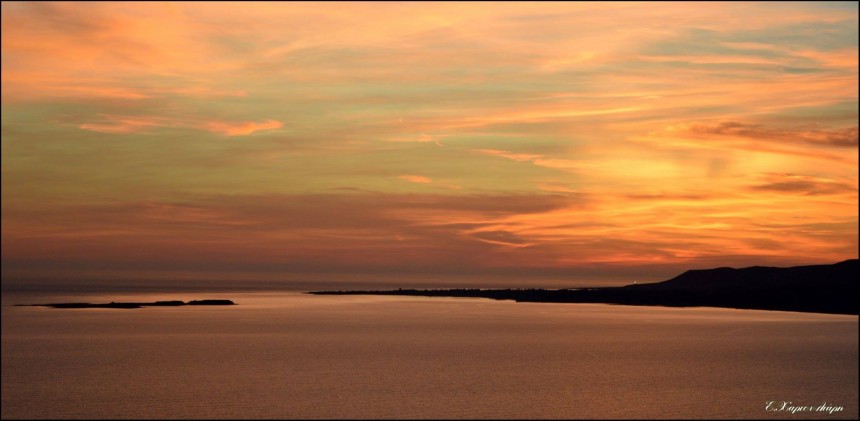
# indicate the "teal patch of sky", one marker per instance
pixel 700 41
pixel 512 142
pixel 843 114
pixel 822 36
pixel 470 169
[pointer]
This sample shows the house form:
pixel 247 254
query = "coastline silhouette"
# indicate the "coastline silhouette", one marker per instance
pixel 816 289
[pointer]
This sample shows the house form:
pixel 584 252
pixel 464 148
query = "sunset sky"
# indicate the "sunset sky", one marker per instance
pixel 522 143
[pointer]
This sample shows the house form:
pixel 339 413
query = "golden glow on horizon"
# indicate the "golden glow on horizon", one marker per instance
pixel 566 139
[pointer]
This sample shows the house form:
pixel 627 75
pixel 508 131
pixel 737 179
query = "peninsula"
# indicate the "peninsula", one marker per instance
pixel 817 288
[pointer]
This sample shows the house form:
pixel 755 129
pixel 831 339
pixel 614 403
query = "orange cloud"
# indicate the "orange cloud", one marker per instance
pixel 241 128
pixel 118 124
pixel 420 179
pixel 122 125
pixel 505 235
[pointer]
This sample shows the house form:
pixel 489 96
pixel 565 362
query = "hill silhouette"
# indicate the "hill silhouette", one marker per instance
pixel 816 288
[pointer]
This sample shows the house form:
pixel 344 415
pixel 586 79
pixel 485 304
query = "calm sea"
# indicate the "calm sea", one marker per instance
pixel 290 355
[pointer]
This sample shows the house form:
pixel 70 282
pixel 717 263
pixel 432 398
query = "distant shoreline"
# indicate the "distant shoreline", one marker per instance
pixel 829 289
pixel 570 296
pixel 172 303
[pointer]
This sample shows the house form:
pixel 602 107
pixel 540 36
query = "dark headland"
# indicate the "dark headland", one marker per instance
pixel 174 303
pixel 817 289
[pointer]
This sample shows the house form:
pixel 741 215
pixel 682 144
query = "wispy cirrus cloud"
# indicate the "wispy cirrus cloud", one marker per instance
pixel 575 135
pixel 125 124
pixel 119 124
pixel 843 137
pixel 241 128
pixel 537 159
pixel 788 183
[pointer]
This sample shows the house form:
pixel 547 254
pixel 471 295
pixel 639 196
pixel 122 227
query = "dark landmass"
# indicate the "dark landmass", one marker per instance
pixel 817 289
pixel 137 305
pixel 211 303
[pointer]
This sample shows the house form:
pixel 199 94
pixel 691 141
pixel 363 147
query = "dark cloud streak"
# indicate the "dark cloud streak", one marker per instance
pixel 845 138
